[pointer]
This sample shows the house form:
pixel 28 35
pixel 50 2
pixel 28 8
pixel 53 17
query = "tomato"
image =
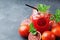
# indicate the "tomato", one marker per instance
pixel 47 35
pixel 24 28
pixel 56 31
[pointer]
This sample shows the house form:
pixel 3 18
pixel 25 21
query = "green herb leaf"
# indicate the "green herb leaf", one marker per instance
pixel 32 29
pixel 42 8
pixel 57 15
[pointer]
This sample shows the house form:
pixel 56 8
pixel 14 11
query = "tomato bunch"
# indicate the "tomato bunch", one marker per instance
pixel 47 29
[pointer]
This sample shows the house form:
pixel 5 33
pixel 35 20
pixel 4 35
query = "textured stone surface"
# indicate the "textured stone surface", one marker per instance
pixel 12 12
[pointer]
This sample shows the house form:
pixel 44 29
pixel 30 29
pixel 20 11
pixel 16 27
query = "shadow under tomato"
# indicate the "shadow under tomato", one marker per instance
pixel 25 38
pixel 57 38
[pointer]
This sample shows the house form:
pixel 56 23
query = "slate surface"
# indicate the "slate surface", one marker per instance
pixel 12 12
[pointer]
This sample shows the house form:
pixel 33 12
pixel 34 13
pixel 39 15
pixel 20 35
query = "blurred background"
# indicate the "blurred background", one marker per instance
pixel 12 12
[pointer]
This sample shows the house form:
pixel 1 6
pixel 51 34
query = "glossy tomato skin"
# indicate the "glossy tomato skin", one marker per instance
pixel 24 30
pixel 47 35
pixel 56 31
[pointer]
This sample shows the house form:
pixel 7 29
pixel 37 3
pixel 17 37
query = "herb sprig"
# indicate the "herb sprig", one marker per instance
pixel 42 7
pixel 32 29
pixel 56 16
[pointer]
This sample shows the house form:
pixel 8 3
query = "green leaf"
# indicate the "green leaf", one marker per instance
pixel 57 15
pixel 42 7
pixel 32 29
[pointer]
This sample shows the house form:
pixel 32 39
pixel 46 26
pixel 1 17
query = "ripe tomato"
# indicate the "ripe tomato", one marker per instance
pixel 47 35
pixel 24 30
pixel 56 31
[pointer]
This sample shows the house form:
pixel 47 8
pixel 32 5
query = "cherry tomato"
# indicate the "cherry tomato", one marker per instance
pixel 47 35
pixel 24 28
pixel 56 31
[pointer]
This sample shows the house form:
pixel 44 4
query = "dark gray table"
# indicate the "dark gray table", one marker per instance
pixel 12 12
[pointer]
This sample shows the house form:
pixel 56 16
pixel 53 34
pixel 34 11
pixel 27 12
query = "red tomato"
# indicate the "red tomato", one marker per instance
pixel 47 35
pixel 24 30
pixel 56 31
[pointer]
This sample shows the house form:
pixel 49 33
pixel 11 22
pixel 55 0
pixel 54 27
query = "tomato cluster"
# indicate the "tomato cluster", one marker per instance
pixel 42 23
